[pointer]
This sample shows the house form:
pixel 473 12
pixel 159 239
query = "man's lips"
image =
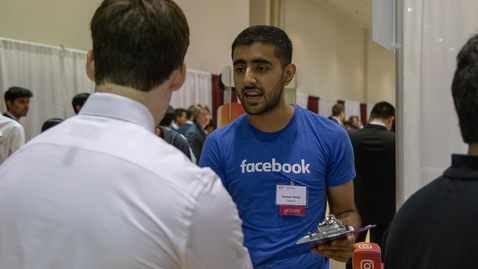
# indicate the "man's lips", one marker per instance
pixel 252 96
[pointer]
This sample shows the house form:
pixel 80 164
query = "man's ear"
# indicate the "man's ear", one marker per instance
pixel 289 73
pixel 390 120
pixel 178 77
pixel 90 65
pixel 9 104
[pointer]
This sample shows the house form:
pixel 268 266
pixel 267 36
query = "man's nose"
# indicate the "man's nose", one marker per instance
pixel 249 79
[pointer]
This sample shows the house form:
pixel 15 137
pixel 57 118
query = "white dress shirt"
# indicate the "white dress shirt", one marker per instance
pixel 12 137
pixel 101 190
pixel 378 123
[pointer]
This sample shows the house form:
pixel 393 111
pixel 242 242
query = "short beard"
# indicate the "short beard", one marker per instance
pixel 269 105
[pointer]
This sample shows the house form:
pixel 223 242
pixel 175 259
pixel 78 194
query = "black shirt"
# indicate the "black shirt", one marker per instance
pixel 436 227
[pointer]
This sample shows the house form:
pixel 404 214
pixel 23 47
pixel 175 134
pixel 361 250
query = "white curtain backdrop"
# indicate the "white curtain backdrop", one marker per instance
pixel 196 89
pixel 325 106
pixel 56 74
pixel 434 32
pixel 53 74
pixel 302 100
pixel 352 108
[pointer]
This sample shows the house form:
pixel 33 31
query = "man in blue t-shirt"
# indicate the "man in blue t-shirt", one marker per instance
pixel 271 145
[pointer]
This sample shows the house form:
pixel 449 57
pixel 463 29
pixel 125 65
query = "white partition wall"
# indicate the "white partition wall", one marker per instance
pixel 197 89
pixel 53 74
pixel 433 33
pixel 302 100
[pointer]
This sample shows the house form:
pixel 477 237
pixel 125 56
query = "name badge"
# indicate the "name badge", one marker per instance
pixel 291 195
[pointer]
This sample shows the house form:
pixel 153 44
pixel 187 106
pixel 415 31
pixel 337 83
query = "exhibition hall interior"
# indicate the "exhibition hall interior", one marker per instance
pixel 344 72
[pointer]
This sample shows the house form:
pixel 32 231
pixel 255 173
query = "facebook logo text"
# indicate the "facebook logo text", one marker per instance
pixel 274 166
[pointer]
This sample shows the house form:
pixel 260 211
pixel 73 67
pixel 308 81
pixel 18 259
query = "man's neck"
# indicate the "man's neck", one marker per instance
pixel 14 117
pixel 273 120
pixel 155 100
pixel 338 119
pixel 473 149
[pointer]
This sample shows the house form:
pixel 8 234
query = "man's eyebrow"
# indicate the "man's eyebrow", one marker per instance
pixel 261 61
pixel 240 61
pixel 255 61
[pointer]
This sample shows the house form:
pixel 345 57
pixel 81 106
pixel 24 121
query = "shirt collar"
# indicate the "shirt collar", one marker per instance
pixel 11 115
pixel 118 107
pixel 337 119
pixel 463 167
pixel 378 123
pixel 200 127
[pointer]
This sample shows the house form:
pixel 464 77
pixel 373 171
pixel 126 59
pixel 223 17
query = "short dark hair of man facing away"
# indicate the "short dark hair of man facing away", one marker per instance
pixel 50 123
pixel 168 117
pixel 383 111
pixel 133 51
pixel 13 93
pixel 267 35
pixel 337 109
pixel 79 100
pixel 189 112
pixel 465 90
pixel 179 112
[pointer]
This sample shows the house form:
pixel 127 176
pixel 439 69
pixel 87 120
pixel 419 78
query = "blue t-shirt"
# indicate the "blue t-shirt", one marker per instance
pixel 314 151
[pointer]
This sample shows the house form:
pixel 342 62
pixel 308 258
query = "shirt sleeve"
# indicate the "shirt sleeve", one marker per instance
pixel 341 162
pixel 216 239
pixel 17 139
pixel 210 157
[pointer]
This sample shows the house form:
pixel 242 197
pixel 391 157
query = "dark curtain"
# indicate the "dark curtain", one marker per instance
pixel 363 113
pixel 313 104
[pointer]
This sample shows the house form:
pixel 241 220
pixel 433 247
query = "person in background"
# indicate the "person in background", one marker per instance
pixel 179 118
pixel 196 134
pixel 210 127
pixel 189 121
pixel 356 123
pixel 338 114
pixel 435 227
pixel 374 185
pixel 50 123
pixel 12 137
pixel 17 100
pixel 349 127
pixel 171 136
pixel 78 101
pixel 100 190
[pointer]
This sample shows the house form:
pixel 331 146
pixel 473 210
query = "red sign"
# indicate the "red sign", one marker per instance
pixel 292 210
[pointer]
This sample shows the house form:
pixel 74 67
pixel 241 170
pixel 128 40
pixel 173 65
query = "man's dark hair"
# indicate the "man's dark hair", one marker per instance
pixel 168 117
pixel 190 111
pixel 337 109
pixel 465 90
pixel 179 112
pixel 268 35
pixel 79 100
pixel 382 111
pixel 13 93
pixel 50 123
pixel 138 43
pixel 351 118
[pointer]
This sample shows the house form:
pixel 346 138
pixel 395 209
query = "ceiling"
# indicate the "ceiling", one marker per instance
pixel 357 11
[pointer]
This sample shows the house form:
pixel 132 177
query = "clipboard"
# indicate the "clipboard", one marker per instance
pixel 305 248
